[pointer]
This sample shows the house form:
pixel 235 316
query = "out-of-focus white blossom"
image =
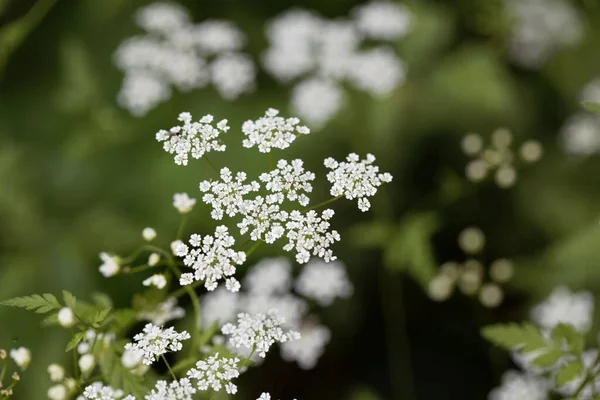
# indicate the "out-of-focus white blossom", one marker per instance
pixel 517 386
pixel 56 372
pixel 86 363
pixel 215 373
pixel 195 138
pixel 258 331
pixel 141 92
pixel 272 131
pixel 316 100
pixel 307 350
pixel 220 305
pixel 66 317
pixel 324 282
pixel 158 280
pixel 153 259
pixel 233 75
pixel 564 306
pixel 183 203
pixel 155 341
pixel 269 276
pixel 580 135
pixel 161 17
pixel 163 312
pixel 377 71
pixel 110 265
pixel 149 234
pixel 382 20
pixel 57 392
pixel 212 259
pixel 21 356
pixel 355 178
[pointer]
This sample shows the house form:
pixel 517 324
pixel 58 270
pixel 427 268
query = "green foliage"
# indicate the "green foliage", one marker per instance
pixel 41 304
pixel 75 340
pixel 119 377
pixel 568 372
pixel 593 107
pixel 511 336
pixel 410 250
pixel 372 234
pixel 565 336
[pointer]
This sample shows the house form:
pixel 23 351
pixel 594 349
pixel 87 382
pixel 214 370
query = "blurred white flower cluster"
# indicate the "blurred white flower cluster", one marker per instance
pixel 176 53
pixel 541 27
pixel 269 285
pixel 321 54
pixel 580 134
pixel 469 276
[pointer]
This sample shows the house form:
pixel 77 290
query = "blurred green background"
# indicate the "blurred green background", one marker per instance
pixel 78 175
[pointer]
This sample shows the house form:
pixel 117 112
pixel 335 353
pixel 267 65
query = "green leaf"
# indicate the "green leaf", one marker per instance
pixel 208 333
pixel 410 247
pixel 100 316
pixel 41 304
pixel 592 107
pixel 568 372
pixel 69 299
pixel 566 334
pixel 78 337
pixel 548 359
pixel 373 234
pixel 102 300
pixel 120 377
pixel 511 336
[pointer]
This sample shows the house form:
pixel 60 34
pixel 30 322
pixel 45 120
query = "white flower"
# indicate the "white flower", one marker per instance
pixel 57 392
pixel 110 265
pixel 212 258
pixel 141 92
pixel 233 74
pixel 580 135
pixel 590 368
pixel 153 259
pixel 220 305
pixel 66 318
pixel 176 390
pixel 563 306
pixel 316 100
pixel 149 234
pixel 97 391
pixel 91 337
pixel 155 341
pixel 382 20
pixel 227 195
pixel 377 71
pixel 161 17
pixel 307 350
pixel 355 179
pixel 195 138
pixel 258 332
pixel 86 363
pixel 540 28
pixel 175 245
pixel 266 220
pixel 216 372
pixel 215 36
pixel 291 308
pixel 324 282
pixel 21 357
pixel 309 233
pixel 56 372
pixel 163 312
pixel 288 180
pixel 131 358
pixel 157 280
pixel 516 386
pixel 272 131
pixel 183 203
pixel 269 276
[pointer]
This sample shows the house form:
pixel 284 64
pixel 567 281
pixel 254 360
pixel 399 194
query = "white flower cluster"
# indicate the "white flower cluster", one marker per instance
pixel 498 157
pixel 324 282
pixel 563 306
pixel 309 234
pixel 183 203
pixel 307 350
pixel 540 28
pixel 155 341
pixel 288 180
pixel 355 178
pixel 325 53
pixel 272 131
pixel 97 391
pixel 176 390
pixel 174 52
pixel 580 134
pixel 212 258
pixel 226 196
pixel 195 138
pixel 163 312
pixel 258 331
pixel 216 372
pixel 517 386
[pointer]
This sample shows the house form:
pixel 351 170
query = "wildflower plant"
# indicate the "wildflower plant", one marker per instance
pixel 273 208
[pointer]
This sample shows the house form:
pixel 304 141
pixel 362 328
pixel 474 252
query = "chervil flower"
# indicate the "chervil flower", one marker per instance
pixel 355 179
pixel 264 220
pixel 155 341
pixel 220 305
pixel 269 276
pixel 316 100
pixel 97 391
pixel 307 350
pixel 56 372
pixel 216 372
pixel 563 306
pixel 309 234
pixel 382 20
pixel 176 390
pixel 161 17
pixel 110 265
pixel 212 258
pixel 183 203
pixel 288 180
pixel 233 74
pixel 290 307
pixel 21 357
pixel 580 135
pixel 258 332
pixel 377 71
pixel 157 280
pixel 163 312
pixel 197 138
pixel 516 386
pixel 141 92
pixel 324 282
pixel 272 131
pixel 227 195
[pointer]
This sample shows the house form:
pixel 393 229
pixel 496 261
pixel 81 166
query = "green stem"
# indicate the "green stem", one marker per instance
pixel 132 257
pixel 181 226
pixel 184 289
pixel 139 268
pixel 168 367
pixel 254 248
pixel 270 161
pixel 324 203
pixel 590 377
pixel 4 367
pixel 212 164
